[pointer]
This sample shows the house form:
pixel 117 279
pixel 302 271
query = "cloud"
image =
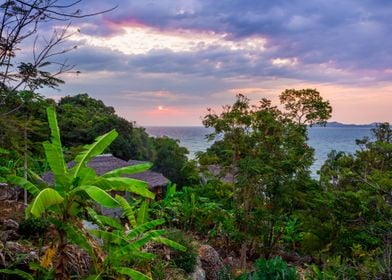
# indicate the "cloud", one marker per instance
pixel 200 53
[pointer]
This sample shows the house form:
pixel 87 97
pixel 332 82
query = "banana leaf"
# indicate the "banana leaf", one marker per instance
pixel 45 199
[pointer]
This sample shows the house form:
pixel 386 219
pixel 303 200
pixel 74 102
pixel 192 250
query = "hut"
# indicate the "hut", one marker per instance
pixel 107 162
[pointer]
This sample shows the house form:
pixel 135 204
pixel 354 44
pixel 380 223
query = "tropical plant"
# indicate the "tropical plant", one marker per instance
pixel 73 190
pixel 124 244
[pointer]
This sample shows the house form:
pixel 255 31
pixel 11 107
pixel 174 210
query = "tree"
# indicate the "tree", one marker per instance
pixel 355 205
pixel 171 160
pixel 21 22
pixel 82 118
pixel 306 106
pixel 266 151
pixel 24 130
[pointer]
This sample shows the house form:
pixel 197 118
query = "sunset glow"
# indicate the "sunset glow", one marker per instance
pixel 138 40
pixel 191 55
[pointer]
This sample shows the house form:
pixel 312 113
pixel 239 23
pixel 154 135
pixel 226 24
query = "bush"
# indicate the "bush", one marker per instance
pixel 33 227
pixel 275 268
pixel 185 260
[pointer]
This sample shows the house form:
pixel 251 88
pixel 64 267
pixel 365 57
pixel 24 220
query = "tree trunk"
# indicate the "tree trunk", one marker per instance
pixel 243 256
pixel 25 165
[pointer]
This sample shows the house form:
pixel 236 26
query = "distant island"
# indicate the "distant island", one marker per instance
pixel 338 124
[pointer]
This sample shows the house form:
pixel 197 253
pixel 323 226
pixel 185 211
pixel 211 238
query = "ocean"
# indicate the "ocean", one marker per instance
pixel 322 139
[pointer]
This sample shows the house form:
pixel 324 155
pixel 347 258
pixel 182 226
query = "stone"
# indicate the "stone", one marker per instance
pixel 9 235
pixel 211 262
pixel 10 224
pixel 199 273
pixel 6 193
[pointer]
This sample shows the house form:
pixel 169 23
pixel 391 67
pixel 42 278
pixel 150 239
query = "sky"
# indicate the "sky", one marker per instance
pixel 165 62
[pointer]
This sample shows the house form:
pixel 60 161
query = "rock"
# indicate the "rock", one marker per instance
pixel 15 247
pixel 10 224
pixel 211 262
pixel 9 235
pixel 199 273
pixel 6 193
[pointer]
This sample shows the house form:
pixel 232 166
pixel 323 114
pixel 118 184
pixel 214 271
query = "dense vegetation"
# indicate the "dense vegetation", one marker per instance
pixel 250 195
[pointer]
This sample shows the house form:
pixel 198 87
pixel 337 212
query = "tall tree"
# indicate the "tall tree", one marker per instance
pixel 266 151
pixel 305 106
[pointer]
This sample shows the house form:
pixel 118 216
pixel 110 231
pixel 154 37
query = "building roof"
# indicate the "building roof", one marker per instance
pixel 105 163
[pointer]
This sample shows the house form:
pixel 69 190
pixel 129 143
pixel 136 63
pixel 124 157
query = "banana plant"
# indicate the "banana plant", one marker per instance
pixel 73 189
pixel 124 244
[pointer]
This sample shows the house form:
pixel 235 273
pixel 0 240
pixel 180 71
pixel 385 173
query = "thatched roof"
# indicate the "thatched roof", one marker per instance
pixel 224 174
pixel 105 163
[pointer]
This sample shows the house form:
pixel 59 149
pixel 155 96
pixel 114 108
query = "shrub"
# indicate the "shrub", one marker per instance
pixel 185 260
pixel 275 268
pixel 33 227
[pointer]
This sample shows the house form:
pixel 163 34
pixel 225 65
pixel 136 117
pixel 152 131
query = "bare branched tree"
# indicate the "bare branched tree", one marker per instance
pixel 20 21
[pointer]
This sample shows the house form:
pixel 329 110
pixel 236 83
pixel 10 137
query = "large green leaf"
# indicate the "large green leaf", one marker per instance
pixel 86 176
pixel 96 148
pixel 46 198
pixel 111 222
pixel 109 237
pixel 99 195
pixel 128 211
pixel 54 128
pixel 126 184
pixel 148 237
pixel 144 228
pixel 142 213
pixel 22 182
pixel 135 246
pixel 134 274
pixel 54 150
pixel 56 163
pixel 170 243
pixel 132 169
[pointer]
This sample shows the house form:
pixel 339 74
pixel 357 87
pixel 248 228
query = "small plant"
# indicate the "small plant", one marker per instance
pixel 186 260
pixel 33 227
pixel 158 270
pixel 275 268
pixel 224 274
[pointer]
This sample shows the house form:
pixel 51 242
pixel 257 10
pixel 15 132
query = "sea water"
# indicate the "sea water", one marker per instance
pixel 322 139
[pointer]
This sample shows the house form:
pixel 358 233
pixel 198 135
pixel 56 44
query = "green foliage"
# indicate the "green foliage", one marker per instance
pixel 82 119
pixel 187 259
pixel 275 268
pixel 189 210
pixel 171 160
pixel 291 233
pixel 306 106
pixel 124 245
pixel 73 190
pixel 265 153
pixel 33 227
pixel 348 221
